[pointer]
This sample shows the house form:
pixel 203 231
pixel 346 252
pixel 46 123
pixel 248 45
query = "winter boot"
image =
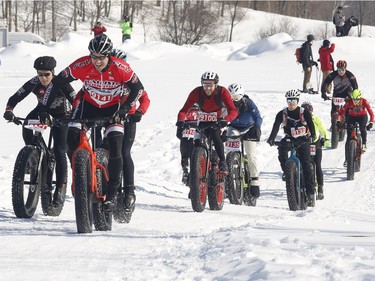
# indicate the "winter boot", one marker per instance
pixel 223 166
pixel 185 176
pixel 59 195
pixel 110 200
pixel 129 200
pixel 320 193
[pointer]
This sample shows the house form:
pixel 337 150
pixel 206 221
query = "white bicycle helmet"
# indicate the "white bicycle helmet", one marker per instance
pixel 292 94
pixel 236 91
pixel 210 76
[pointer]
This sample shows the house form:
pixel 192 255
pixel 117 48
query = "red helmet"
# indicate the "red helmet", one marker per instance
pixel 341 64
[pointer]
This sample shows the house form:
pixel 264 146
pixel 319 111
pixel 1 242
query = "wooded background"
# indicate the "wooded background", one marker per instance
pixel 178 22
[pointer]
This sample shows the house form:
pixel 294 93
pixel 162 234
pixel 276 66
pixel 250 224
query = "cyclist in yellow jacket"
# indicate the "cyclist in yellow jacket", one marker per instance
pixel 321 139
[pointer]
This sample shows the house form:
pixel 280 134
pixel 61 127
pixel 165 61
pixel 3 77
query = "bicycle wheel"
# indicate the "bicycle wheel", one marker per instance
pixel 358 154
pixel 292 189
pixel 198 179
pixel 26 182
pixel 46 196
pixel 334 133
pixel 248 198
pixel 83 198
pixel 216 185
pixel 350 160
pixel 102 219
pixel 235 181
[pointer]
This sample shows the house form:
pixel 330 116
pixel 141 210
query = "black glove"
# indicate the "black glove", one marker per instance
pixel 315 63
pixel 44 118
pixel 223 123
pixel 271 142
pixel 369 126
pixel 120 114
pixel 324 96
pixel 255 133
pixel 312 138
pixel 180 129
pixel 136 116
pixel 8 115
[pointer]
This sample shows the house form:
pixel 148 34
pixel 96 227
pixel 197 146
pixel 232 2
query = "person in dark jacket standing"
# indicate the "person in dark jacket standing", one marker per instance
pixel 54 100
pixel 307 64
pixel 98 29
pixel 326 61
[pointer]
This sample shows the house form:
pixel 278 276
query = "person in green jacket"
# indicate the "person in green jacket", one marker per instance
pixel 126 28
pixel 321 139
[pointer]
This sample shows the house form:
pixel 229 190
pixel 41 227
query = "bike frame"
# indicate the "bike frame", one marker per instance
pixel 85 144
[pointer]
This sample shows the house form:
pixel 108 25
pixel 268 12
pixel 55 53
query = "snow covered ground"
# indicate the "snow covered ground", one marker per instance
pixel 165 239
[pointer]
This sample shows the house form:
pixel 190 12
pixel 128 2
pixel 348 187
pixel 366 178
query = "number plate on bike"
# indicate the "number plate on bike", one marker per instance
pixel 208 116
pixel 312 149
pixel 188 133
pixel 35 125
pixel 233 145
pixel 338 101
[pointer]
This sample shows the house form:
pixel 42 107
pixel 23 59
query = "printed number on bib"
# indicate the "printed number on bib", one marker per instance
pixel 312 149
pixel 338 101
pixel 233 145
pixel 298 132
pixel 208 117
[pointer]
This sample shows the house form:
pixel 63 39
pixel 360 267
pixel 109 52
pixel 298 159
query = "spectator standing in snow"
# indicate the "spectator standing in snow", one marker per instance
pixel 98 28
pixel 339 21
pixel 126 28
pixel 307 64
pixel 326 61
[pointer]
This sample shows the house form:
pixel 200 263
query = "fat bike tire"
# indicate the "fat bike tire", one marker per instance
pixel 102 219
pixel 46 196
pixel 216 185
pixel 198 180
pixel 334 134
pixel 83 198
pixel 358 154
pixel 350 161
pixel 26 182
pixel 295 200
pixel 235 180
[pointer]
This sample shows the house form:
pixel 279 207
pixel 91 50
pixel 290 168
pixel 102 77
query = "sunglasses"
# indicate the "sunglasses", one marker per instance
pixel 208 84
pixel 47 74
pixel 97 57
pixel 291 100
pixel 341 70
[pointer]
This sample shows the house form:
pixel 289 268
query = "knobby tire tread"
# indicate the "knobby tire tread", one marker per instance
pixel 27 158
pixel 198 201
pixel 235 179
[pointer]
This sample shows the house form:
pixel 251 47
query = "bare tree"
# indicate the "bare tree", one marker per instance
pixel 190 24
pixel 236 16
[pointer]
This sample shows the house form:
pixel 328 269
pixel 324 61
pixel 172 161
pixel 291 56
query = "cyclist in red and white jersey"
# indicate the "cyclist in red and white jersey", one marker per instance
pixel 104 79
pixel 216 105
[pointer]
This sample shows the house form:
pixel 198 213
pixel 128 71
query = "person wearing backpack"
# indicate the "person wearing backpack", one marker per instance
pixel 326 61
pixel 216 105
pixel 298 128
pixel 308 62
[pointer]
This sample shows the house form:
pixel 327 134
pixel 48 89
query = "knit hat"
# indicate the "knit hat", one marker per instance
pixel 326 43
pixel 310 37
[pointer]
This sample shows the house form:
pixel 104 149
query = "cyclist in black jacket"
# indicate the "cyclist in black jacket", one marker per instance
pixel 52 100
pixel 299 128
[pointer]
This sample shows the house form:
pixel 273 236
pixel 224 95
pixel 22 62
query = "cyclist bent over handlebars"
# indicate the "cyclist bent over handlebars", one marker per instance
pixel 298 128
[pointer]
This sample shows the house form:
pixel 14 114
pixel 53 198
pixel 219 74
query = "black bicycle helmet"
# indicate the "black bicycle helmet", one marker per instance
pixel 45 63
pixel 119 54
pixel 101 44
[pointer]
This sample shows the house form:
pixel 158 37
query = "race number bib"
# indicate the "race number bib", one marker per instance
pixel 338 101
pixel 312 149
pixel 233 144
pixel 207 117
pixel 188 133
pixel 298 132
